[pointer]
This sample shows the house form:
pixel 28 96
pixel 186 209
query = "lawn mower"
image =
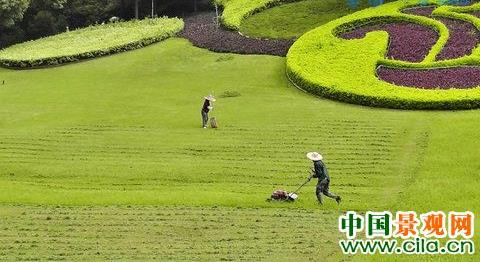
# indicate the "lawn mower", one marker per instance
pixel 282 195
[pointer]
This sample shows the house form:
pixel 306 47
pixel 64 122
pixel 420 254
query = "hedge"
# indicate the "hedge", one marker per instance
pixel 235 11
pixel 90 42
pixel 326 65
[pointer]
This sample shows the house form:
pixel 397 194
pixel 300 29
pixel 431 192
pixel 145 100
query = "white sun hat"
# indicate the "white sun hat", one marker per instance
pixel 211 98
pixel 314 156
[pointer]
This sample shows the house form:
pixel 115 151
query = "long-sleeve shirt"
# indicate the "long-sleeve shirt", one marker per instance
pixel 321 171
pixel 206 106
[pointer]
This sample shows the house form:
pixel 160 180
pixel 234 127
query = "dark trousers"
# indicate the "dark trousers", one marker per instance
pixel 323 188
pixel 204 118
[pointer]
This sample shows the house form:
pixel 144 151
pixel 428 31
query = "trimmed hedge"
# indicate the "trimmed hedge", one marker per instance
pixel 90 42
pixel 326 65
pixel 236 10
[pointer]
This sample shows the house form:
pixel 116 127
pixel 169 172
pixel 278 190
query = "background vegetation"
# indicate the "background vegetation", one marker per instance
pixel 22 20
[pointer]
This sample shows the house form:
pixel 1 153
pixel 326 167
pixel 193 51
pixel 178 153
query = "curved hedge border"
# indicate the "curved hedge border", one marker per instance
pixel 234 11
pixel 90 42
pixel 325 65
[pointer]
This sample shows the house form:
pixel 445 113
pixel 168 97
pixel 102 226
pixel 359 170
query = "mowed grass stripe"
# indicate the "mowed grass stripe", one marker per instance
pixel 108 151
pixel 151 152
pixel 44 233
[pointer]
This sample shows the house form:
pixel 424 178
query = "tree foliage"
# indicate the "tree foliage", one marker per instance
pixel 12 11
pixel 80 13
pixel 44 18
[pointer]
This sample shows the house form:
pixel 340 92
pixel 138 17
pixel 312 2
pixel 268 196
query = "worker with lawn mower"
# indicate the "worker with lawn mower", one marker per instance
pixel 320 171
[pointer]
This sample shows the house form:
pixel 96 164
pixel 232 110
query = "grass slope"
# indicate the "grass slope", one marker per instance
pixel 294 19
pixel 131 135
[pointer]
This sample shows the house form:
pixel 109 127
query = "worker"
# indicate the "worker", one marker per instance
pixel 320 172
pixel 207 106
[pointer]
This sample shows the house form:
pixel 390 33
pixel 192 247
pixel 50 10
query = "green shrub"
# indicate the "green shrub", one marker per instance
pixel 237 10
pixel 90 42
pixel 228 94
pixel 326 65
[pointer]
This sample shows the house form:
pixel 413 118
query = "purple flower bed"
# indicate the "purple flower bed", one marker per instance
pixel 464 36
pixel 408 41
pixel 202 32
pixel 412 42
pixel 442 78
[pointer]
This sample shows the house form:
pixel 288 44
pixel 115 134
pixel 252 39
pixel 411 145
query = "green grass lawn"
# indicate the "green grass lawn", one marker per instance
pixel 126 130
pixel 294 19
pixel 173 234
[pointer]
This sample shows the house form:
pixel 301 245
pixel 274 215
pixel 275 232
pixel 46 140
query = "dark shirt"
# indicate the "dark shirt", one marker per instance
pixel 321 171
pixel 206 104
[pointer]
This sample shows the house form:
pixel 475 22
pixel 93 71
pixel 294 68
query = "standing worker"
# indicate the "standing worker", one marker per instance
pixel 207 106
pixel 320 172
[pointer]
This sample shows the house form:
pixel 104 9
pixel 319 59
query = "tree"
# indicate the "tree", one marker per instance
pixel 142 8
pixel 11 35
pixel 42 24
pixel 12 11
pixel 137 3
pixel 44 17
pixel 82 13
pixel 129 9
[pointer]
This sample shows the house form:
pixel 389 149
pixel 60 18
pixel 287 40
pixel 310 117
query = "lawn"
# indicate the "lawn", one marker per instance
pixel 113 140
pixel 131 141
pixel 294 19
pixel 167 233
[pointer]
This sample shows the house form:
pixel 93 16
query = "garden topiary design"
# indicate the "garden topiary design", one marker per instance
pixel 398 55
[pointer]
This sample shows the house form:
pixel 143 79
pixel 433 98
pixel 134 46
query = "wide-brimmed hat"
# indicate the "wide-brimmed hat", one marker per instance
pixel 314 156
pixel 211 98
